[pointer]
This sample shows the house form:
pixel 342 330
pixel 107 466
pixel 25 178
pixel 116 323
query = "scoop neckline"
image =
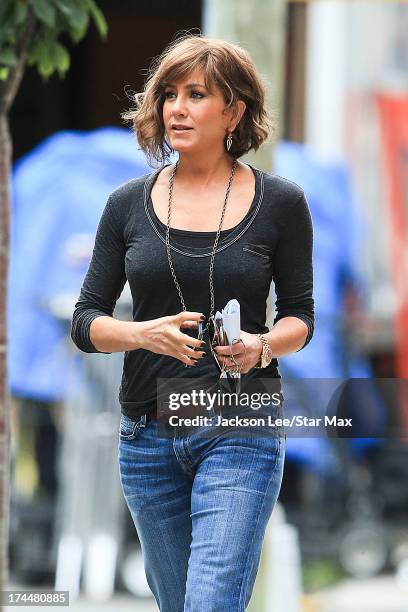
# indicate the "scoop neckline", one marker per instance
pixel 210 234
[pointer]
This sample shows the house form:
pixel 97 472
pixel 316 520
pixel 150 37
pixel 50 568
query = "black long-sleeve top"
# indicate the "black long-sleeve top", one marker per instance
pixel 274 241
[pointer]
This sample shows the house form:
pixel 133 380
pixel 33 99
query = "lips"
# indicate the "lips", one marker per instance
pixel 180 128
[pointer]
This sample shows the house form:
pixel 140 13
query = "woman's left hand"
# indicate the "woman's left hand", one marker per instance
pixel 249 354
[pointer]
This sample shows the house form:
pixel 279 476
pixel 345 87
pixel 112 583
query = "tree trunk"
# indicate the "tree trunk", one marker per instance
pixel 5 167
pixel 8 91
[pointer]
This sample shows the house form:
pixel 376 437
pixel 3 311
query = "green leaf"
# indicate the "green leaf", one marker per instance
pixel 64 6
pixel 46 69
pixel 77 35
pixel 62 60
pixel 8 57
pixel 4 72
pixel 49 55
pixel 7 36
pixel 98 18
pixel 41 56
pixel 78 18
pixel 20 12
pixel 5 10
pixel 45 11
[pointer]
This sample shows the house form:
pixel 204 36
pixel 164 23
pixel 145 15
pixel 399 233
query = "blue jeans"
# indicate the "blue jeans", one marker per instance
pixel 200 505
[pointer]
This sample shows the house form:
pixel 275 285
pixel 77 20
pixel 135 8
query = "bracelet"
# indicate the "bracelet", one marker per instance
pixel 259 362
pixel 266 354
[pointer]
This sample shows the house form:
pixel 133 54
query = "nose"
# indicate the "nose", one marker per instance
pixel 179 105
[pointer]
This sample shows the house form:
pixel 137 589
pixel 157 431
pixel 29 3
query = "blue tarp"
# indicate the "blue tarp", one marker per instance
pixel 59 190
pixel 338 232
pixel 338 235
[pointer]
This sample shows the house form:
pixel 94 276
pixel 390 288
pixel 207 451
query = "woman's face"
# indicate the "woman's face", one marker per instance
pixel 188 103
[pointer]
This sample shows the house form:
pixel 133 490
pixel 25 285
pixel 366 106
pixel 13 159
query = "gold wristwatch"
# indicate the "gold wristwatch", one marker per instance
pixel 266 355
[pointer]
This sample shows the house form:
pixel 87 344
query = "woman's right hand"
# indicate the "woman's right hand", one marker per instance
pixel 164 336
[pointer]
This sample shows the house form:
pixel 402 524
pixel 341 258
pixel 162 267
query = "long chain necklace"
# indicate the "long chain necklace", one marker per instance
pixel 211 273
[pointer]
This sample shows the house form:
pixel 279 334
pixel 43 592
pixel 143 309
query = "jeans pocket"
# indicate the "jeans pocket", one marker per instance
pixel 129 429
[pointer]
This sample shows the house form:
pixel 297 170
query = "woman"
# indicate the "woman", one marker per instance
pixel 188 238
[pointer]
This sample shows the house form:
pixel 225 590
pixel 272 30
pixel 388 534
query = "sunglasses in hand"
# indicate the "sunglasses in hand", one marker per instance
pixel 229 366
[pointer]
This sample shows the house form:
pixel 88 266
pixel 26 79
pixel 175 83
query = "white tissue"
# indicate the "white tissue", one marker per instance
pixel 231 318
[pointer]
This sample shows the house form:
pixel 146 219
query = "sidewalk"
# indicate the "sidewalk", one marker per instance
pixel 378 594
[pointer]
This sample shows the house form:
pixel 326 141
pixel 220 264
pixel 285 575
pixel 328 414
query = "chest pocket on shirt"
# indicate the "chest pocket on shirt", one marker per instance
pixel 256 266
pixel 257 251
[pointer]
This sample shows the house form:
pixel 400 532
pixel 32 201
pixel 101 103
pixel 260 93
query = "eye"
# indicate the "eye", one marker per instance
pixel 167 94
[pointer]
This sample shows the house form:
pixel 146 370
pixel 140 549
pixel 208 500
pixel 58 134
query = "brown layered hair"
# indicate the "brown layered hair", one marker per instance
pixel 225 65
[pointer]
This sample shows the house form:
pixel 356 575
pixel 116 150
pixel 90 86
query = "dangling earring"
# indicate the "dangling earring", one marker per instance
pixel 229 141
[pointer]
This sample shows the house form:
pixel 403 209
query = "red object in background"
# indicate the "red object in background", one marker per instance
pixel 393 112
